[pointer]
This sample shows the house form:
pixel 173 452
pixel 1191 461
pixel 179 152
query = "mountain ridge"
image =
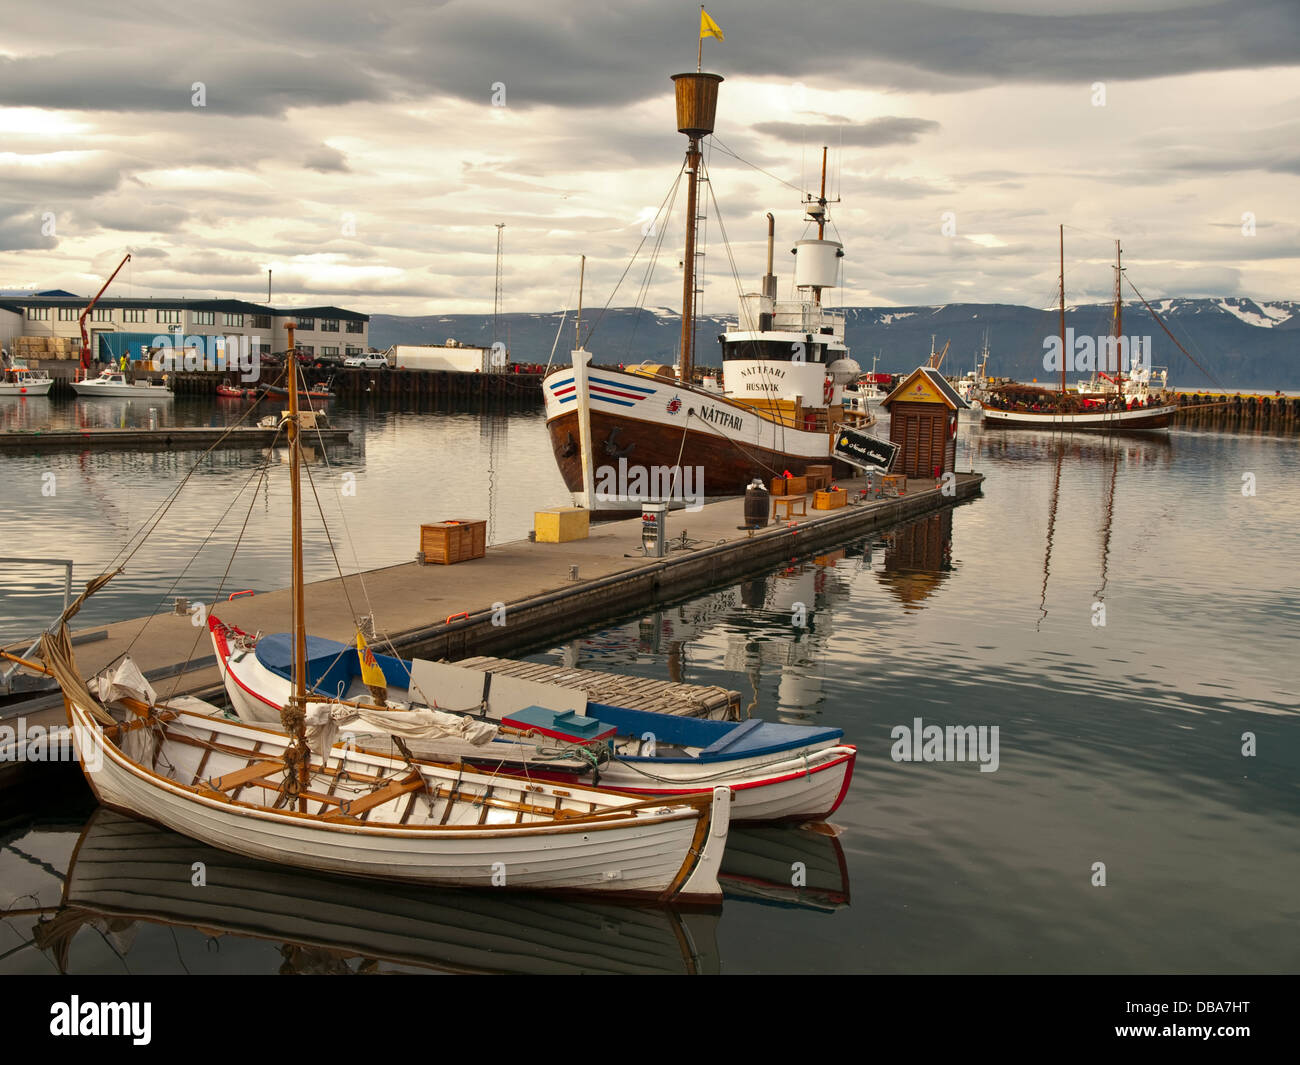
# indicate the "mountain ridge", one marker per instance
pixel 1241 342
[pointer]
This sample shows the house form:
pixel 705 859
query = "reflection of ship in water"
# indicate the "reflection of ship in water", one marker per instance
pixel 126 871
pixel 918 558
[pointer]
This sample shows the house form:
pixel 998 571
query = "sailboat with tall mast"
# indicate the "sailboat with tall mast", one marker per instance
pixel 262 792
pixel 1114 399
pixel 785 368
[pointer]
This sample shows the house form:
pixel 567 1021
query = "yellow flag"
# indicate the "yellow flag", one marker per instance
pixel 709 28
pixel 371 673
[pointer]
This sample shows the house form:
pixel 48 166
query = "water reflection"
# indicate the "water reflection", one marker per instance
pixel 123 894
pixel 918 558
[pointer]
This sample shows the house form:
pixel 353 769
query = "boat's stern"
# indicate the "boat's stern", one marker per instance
pixel 701 886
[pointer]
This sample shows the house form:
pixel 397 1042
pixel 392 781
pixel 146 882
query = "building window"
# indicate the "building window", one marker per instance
pixel 135 314
pixel 306 323
pixel 102 314
pixel 351 350
pixel 329 351
pixel 329 325
pixel 261 321
pixel 38 314
pixel 169 317
pixel 69 314
pixel 204 317
pixel 305 349
pixel 356 327
pixel 234 319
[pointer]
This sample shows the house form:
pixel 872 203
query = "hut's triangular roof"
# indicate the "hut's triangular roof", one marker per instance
pixel 936 380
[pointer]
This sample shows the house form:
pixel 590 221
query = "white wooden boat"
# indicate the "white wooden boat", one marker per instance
pixel 20 381
pixel 114 383
pixel 365 814
pixel 124 869
pixel 777 771
pixel 262 793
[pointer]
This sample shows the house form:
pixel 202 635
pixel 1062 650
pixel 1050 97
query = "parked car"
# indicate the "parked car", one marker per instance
pixel 373 360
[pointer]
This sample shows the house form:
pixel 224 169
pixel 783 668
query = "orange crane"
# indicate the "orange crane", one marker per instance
pixel 81 321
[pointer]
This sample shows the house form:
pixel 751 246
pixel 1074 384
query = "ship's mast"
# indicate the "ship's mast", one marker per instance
pixel 1062 234
pixel 1119 321
pixel 697 104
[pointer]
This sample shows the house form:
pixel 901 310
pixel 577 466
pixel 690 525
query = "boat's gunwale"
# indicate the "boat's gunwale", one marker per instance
pixel 699 805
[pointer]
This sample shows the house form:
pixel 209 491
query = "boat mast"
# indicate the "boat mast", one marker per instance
pixel 293 716
pixel 697 104
pixel 1062 234
pixel 1119 321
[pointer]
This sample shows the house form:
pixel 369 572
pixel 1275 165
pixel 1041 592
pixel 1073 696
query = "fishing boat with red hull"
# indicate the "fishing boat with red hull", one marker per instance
pixel 785 368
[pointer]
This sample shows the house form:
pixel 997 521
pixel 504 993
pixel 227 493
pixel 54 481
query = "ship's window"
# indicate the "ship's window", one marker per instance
pixel 773 350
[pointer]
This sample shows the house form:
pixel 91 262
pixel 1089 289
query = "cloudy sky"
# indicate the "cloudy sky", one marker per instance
pixel 365 152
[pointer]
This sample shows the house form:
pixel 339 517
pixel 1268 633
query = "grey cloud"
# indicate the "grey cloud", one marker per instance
pixel 237 80
pixel 873 133
pixel 20 230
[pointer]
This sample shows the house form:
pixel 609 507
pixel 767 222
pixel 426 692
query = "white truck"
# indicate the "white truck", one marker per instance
pixel 451 357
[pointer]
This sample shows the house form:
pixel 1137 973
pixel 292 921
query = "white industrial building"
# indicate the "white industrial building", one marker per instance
pixel 54 315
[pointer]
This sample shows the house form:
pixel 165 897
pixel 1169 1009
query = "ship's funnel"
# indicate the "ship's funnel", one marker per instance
pixel 697 103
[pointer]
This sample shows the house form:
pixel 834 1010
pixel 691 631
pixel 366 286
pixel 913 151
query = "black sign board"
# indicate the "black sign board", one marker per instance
pixel 864 450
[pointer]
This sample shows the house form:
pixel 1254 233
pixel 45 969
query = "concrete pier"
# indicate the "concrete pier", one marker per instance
pixel 519 598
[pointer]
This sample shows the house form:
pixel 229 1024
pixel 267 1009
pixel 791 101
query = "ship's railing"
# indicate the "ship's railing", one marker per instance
pixel 806 317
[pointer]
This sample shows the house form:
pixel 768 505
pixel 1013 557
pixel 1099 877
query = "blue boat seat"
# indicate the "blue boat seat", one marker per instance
pixel 732 737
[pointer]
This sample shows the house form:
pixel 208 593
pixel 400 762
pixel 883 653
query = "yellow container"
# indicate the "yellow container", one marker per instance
pixel 559 525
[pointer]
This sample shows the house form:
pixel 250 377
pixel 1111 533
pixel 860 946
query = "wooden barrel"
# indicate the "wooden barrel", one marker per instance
pixel 758 506
pixel 697 102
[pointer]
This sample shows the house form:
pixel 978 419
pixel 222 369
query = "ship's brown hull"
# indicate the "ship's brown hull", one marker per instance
pixel 728 468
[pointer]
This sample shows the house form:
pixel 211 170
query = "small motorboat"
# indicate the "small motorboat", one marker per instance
pixel 20 381
pixel 114 383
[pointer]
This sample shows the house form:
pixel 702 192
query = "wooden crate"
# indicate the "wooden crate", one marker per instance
pixel 789 486
pixel 819 477
pixel 559 525
pixel 457 540
pixel 830 500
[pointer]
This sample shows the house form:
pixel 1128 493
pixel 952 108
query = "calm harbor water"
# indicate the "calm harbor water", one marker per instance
pixel 1118 743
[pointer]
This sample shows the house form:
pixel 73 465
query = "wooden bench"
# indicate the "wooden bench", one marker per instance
pixel 789 503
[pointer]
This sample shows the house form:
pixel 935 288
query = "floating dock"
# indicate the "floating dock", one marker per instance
pixel 175 439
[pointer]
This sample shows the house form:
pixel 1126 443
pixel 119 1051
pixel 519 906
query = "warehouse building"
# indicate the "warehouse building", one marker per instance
pixel 44 325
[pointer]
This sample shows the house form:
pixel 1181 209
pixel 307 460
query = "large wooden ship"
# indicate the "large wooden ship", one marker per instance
pixel 624 437
pixel 1134 400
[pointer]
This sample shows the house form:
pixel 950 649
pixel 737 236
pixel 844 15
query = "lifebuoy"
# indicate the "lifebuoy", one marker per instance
pixel 828 390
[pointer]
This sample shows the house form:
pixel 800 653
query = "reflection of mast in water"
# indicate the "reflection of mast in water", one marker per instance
pixel 1100 594
pixel 1051 529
